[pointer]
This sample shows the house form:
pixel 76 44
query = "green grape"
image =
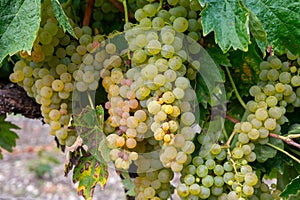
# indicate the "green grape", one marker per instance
pixel 285 77
pixel 250 179
pixel 150 10
pixel 237 153
pixel 261 114
pixel 207 181
pixel 273 75
pixel 246 149
pixel 205 192
pixel 254 90
pixel 57 85
pixel 46 92
pixel 275 62
pixel 257 123
pixel 183 190
pixel 253 134
pixel 149 192
pixel 252 106
pixel 189 179
pixel 139 56
pixel 210 164
pixel 219 170
pixel 251 157
pixel 216 190
pixel 291 56
pixel 248 190
pixel 158 22
pixel 215 149
pixel 263 75
pixel 180 24
pixel 188 118
pixel 218 181
pixel 194 189
pixel 246 126
pixel 202 171
pixel 270 124
pixel 295 81
pixel 228 176
pixel 45 37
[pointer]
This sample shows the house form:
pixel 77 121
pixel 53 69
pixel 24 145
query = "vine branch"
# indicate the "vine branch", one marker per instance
pixel 237 94
pixel 287 139
pixel 88 13
pixel 232 119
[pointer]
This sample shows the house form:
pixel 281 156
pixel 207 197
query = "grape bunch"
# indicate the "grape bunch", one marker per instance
pixel 46 75
pixel 276 94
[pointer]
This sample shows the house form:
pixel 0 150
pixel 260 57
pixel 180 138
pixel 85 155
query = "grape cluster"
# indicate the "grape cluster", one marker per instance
pixel 277 93
pixel 154 185
pixel 46 75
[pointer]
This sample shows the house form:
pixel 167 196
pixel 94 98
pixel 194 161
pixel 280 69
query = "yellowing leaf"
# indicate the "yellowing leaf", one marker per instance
pixel 89 172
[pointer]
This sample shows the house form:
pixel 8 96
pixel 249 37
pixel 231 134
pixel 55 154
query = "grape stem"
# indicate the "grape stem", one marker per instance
pixel 283 151
pixel 287 139
pixel 227 144
pixel 91 101
pixel 125 11
pixel 120 7
pixel 88 13
pixel 160 5
pixel 235 89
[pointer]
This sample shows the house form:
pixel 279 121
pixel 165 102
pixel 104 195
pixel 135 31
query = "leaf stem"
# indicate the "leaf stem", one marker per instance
pixel 287 139
pixel 285 152
pixel 235 89
pixel 88 13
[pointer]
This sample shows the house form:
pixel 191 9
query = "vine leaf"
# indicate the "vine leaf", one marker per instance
pixel 88 172
pixel 62 18
pixel 20 21
pixel 218 56
pixel 264 152
pixel 89 125
pixel 246 68
pixel 281 22
pixel 258 32
pixel 128 184
pixel 292 188
pixel 7 137
pixel 229 21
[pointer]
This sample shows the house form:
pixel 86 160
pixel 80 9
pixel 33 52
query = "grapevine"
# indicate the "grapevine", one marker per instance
pixel 144 85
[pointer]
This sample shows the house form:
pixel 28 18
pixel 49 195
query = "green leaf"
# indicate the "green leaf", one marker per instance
pixel 7 137
pixel 89 125
pixel 258 32
pixel 128 184
pixel 20 21
pixel 62 18
pixel 229 21
pixel 246 68
pixel 88 172
pixel 264 152
pixel 218 56
pixel 292 188
pixel 281 22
